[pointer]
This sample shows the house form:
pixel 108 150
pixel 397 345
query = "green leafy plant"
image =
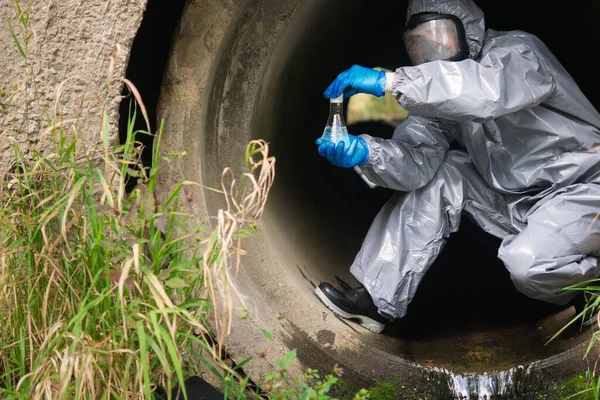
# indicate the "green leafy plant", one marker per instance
pixel 278 384
pixel 590 389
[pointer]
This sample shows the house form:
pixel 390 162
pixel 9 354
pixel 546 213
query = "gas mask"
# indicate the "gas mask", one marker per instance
pixel 432 36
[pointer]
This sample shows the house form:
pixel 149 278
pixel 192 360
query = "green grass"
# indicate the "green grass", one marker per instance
pixel 103 294
pixel 585 386
pixel 577 388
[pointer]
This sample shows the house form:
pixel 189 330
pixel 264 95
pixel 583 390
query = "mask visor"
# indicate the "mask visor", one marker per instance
pixel 433 40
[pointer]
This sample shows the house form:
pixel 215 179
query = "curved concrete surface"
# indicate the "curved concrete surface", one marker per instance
pixel 256 69
pixel 70 47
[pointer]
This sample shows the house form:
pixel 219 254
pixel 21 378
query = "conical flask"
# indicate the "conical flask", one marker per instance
pixel 335 131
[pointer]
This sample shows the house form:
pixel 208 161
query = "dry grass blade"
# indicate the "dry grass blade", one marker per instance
pixel 239 213
pixel 138 98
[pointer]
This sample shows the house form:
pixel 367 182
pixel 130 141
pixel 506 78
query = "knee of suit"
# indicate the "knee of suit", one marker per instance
pixel 519 258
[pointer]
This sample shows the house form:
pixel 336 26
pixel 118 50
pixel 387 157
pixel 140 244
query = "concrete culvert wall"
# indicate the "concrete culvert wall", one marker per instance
pixel 77 52
pixel 256 69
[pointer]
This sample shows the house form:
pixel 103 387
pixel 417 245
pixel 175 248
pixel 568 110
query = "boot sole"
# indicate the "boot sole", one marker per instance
pixel 365 322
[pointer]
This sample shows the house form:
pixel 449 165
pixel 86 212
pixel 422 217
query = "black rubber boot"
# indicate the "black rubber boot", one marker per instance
pixel 580 302
pixel 352 304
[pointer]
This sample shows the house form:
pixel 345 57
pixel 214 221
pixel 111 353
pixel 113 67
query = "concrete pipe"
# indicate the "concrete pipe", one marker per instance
pixel 240 70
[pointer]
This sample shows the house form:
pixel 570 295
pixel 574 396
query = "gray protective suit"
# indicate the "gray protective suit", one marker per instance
pixel 529 172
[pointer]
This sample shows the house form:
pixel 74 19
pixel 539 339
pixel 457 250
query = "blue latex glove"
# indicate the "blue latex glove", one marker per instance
pixel 356 154
pixel 357 80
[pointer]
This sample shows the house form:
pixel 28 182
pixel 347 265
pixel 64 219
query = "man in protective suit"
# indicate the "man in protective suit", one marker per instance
pixel 528 171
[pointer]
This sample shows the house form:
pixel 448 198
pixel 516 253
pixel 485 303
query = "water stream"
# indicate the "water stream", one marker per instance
pixel 495 385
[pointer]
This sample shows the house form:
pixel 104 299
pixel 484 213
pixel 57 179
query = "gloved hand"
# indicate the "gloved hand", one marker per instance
pixel 356 154
pixel 357 80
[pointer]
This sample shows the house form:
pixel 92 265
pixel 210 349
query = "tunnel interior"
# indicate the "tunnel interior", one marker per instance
pixel 467 300
pixel 467 314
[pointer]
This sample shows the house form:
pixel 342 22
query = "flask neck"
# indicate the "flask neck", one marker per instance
pixel 336 114
pixel 336 108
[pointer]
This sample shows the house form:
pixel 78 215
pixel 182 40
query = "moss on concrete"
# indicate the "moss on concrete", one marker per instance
pixel 344 389
pixel 384 391
pixel 576 388
pixel 392 391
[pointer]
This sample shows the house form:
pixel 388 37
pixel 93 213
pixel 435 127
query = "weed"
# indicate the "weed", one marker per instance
pixel 101 293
